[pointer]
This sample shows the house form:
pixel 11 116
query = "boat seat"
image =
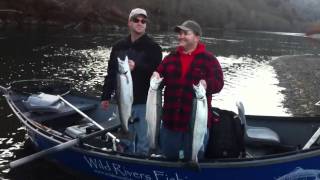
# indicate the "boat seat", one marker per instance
pixel 43 103
pixel 65 111
pixel 258 136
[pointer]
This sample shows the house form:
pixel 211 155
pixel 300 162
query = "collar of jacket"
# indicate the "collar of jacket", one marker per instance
pixel 199 49
pixel 143 38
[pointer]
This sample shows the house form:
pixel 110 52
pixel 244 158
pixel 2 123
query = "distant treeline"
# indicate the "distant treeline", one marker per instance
pixel 275 15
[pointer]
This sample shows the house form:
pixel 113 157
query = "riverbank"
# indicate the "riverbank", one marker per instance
pixel 300 76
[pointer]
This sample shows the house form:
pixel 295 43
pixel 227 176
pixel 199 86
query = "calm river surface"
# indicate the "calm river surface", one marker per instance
pixel 82 59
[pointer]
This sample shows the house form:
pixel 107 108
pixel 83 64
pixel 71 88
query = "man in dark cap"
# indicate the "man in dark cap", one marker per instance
pixel 144 56
pixel 188 65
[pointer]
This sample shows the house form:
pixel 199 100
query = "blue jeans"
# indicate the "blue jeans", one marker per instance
pixel 140 144
pixel 173 142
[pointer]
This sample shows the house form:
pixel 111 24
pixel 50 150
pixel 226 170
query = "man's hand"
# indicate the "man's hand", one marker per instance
pixel 156 75
pixel 132 64
pixel 203 82
pixel 105 104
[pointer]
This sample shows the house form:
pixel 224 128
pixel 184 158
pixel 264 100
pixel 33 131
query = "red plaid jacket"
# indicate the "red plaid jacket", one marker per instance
pixel 179 93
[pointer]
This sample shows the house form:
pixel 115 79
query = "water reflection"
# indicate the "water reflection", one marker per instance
pixel 11 143
pixel 252 82
pixel 87 73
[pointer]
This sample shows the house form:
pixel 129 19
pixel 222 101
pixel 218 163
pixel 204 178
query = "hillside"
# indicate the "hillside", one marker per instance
pixel 275 15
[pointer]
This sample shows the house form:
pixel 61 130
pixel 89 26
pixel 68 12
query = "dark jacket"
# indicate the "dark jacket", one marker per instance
pixel 146 54
pixel 179 93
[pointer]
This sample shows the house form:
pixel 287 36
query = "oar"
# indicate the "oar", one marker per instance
pixel 312 140
pixel 57 148
pixel 88 118
pixel 81 113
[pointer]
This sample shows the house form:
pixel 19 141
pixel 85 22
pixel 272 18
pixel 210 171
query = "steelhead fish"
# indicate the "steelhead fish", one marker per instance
pixel 124 93
pixel 153 112
pixel 199 120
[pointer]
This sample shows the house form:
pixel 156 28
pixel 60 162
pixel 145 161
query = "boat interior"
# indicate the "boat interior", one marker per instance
pixel 264 136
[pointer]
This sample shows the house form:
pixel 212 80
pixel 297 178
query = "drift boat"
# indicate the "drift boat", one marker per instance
pixel 277 147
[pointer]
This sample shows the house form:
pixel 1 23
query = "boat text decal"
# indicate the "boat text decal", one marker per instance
pixel 119 171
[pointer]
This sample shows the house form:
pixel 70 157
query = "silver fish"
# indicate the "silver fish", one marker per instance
pixel 199 120
pixel 153 112
pixel 124 92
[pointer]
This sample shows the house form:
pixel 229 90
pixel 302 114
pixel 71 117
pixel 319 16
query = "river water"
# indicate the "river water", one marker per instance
pixel 82 59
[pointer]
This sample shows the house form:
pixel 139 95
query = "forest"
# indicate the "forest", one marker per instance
pixel 271 15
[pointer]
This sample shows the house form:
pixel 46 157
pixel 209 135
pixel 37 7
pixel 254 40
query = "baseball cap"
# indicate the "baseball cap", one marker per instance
pixel 137 11
pixel 189 25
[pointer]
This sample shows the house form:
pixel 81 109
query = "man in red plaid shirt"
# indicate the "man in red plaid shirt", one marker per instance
pixel 189 64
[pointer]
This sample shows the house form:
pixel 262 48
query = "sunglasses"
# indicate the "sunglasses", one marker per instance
pixel 136 20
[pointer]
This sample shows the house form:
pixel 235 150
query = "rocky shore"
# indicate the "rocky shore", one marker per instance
pixel 300 76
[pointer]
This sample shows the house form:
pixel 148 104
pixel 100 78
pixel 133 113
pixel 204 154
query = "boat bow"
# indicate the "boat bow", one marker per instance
pixel 3 90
